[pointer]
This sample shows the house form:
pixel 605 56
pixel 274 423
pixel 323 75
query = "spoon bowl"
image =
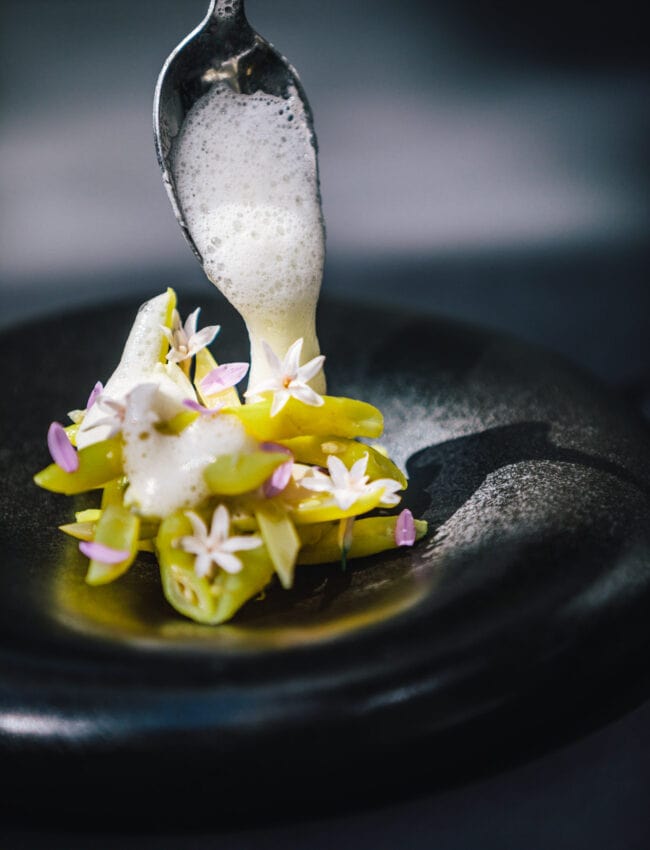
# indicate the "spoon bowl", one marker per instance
pixel 224 48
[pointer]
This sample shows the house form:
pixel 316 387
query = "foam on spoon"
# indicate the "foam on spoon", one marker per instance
pixel 246 177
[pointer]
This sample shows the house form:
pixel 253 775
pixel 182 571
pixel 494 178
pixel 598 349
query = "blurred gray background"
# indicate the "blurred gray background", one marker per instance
pixel 485 161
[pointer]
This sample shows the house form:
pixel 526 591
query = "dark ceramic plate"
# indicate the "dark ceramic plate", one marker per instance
pixel 524 609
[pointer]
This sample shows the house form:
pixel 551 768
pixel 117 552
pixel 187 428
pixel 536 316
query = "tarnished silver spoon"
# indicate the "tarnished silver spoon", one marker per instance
pixel 223 48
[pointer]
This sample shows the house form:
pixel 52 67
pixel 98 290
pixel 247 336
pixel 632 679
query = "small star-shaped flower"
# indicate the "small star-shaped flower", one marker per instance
pixel 215 547
pixel 141 398
pixel 184 340
pixel 115 412
pixel 289 379
pixel 346 486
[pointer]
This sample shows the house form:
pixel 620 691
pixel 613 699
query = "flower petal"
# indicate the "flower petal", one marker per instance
pixel 203 564
pixel 316 485
pixel 339 472
pixel 62 451
pixel 223 377
pixel 274 485
pixel 113 424
pixel 191 544
pixel 345 498
pixel 190 323
pixel 96 391
pixel 102 553
pixel 198 408
pixel 204 337
pixel 358 469
pixel 311 369
pixel 389 500
pixel 269 446
pixel 229 563
pixel 241 544
pixel 291 362
pixel 405 529
pixel 306 395
pixel 199 528
pixel 168 334
pixel 220 527
pixel 176 356
pixel 390 487
pixel 110 405
pixel 280 398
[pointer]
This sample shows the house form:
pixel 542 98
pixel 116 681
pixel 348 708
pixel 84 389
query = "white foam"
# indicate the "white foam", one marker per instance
pixel 165 471
pixel 246 177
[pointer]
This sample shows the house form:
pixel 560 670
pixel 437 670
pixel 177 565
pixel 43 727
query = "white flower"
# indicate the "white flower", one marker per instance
pixel 141 399
pixel 217 547
pixel 289 378
pixel 115 412
pixel 184 340
pixel 346 486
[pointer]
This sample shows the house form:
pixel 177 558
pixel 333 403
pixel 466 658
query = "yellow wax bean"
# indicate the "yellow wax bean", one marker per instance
pixel 148 530
pixel 316 449
pixel 202 600
pixel 79 530
pixel 86 531
pixel 98 464
pixel 71 431
pixel 344 417
pixel 369 536
pixel 232 591
pixel 113 493
pixel 233 474
pixel 170 306
pixel 89 515
pixel 280 538
pixel 177 423
pixel 119 529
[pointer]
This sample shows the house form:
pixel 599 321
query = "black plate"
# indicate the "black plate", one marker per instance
pixel 525 608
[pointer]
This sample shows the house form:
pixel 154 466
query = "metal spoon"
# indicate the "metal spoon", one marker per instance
pixel 223 48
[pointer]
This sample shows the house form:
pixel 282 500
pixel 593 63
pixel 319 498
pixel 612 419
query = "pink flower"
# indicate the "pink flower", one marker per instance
pixel 405 529
pixel 274 485
pixel 223 377
pixel 190 404
pixel 62 451
pixel 102 553
pixel 184 340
